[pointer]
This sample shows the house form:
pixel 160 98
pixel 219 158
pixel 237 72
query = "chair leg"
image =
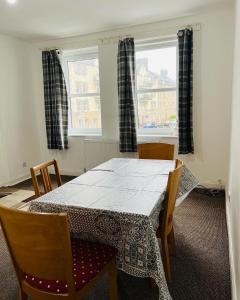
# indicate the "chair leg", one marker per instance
pixel 166 259
pixel 22 295
pixel 172 242
pixel 112 275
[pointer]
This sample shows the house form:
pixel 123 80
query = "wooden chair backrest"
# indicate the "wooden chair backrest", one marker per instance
pixel 156 151
pixel 171 194
pixel 46 180
pixel 39 245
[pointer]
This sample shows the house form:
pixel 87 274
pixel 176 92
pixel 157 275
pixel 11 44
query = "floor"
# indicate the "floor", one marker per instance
pixel 200 268
pixel 16 199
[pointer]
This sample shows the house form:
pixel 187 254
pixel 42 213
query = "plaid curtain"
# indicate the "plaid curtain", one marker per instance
pixel 56 101
pixel 126 95
pixel 185 129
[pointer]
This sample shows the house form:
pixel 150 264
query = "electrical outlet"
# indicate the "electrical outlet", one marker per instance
pixel 24 164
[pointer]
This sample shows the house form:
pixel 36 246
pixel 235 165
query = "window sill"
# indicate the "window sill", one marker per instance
pixel 160 136
pixel 83 135
pixel 155 136
pixel 140 138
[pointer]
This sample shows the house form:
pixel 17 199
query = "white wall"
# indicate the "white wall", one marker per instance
pixel 233 196
pixel 213 46
pixel 18 139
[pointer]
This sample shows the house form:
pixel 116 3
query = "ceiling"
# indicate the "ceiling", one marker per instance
pixel 47 19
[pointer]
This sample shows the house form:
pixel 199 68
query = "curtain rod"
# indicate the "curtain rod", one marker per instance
pixel 49 48
pixel 103 40
pixel 194 27
pixel 138 35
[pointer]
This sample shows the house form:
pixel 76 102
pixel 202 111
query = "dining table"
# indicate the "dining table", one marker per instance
pixel 118 203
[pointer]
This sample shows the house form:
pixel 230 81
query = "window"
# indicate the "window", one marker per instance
pixel 82 77
pixel 156 107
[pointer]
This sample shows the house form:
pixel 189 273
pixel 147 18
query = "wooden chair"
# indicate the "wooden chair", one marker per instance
pixel 165 230
pixel 156 151
pixel 48 265
pixel 46 180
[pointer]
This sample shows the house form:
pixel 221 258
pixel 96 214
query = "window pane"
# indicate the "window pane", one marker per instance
pixel 86 112
pixel 83 76
pixel 157 110
pixel 156 68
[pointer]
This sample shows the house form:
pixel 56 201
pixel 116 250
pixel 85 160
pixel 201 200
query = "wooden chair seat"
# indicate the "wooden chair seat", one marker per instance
pixel 88 260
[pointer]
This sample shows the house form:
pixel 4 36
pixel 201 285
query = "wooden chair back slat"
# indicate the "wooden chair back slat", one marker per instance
pixel 46 180
pixel 49 180
pixel 156 151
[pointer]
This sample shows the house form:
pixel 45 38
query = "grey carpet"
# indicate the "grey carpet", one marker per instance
pixel 200 269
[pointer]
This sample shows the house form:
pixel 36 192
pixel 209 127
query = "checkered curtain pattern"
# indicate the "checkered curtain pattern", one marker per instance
pixel 185 89
pixel 56 101
pixel 126 95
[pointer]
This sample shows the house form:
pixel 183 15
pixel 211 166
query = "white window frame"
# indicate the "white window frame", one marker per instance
pixel 77 55
pixel 157 132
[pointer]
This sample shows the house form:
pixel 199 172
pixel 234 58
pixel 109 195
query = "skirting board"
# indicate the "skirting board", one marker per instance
pixel 71 173
pixel 231 256
pixel 15 180
pixel 27 176
pixel 210 185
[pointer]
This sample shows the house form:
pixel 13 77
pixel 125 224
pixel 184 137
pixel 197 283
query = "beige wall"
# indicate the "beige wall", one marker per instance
pixel 18 139
pixel 233 194
pixel 213 47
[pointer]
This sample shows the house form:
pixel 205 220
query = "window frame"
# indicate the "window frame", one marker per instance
pixel 72 56
pixel 157 132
